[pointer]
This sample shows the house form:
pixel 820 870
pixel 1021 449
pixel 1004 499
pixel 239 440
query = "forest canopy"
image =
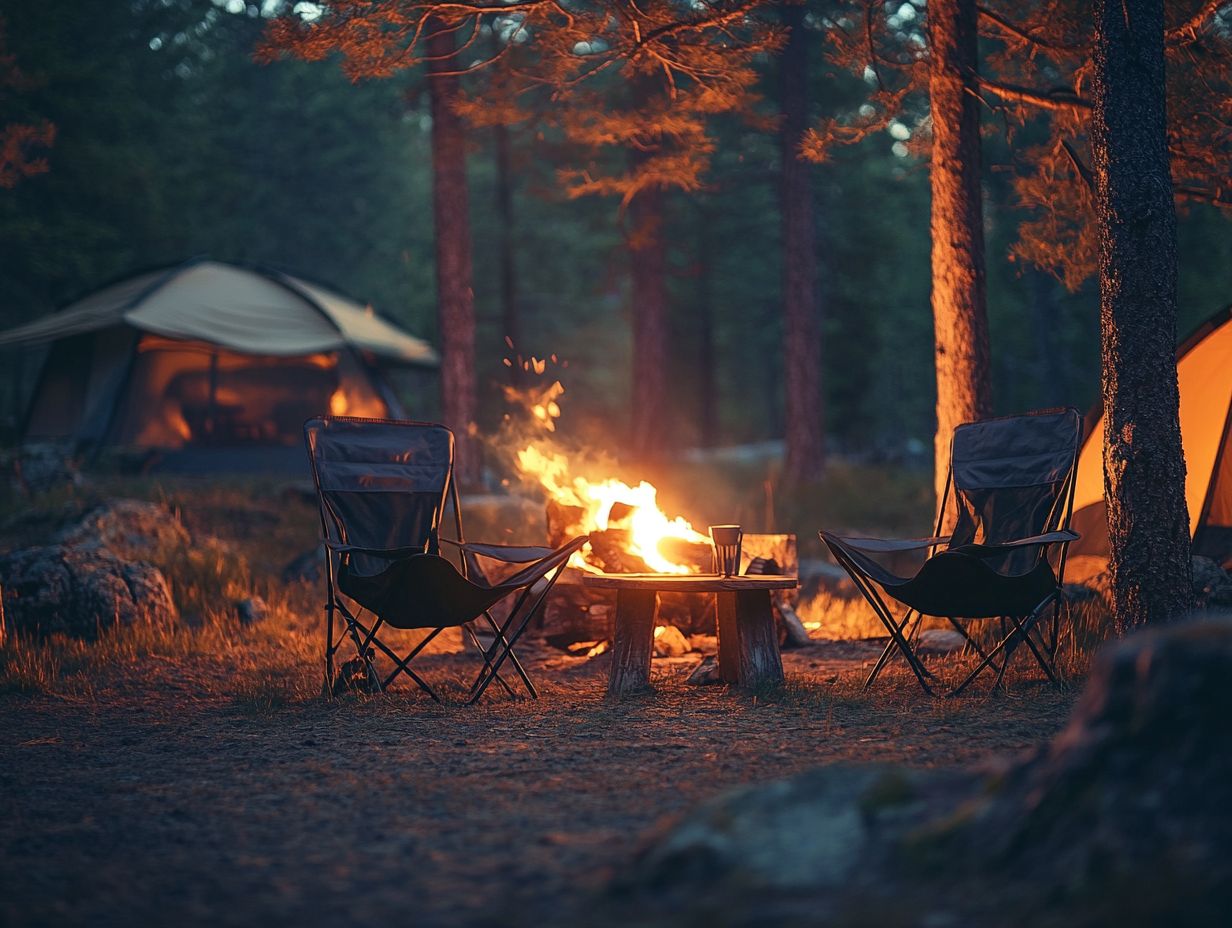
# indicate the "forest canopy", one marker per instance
pixel 172 140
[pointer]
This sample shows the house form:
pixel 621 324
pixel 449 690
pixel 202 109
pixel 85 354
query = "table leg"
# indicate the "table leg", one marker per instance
pixel 632 644
pixel 729 659
pixel 752 652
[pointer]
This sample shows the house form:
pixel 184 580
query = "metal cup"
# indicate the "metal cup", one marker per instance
pixel 726 541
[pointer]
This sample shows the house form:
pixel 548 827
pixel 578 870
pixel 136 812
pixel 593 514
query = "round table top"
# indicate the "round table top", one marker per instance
pixel 688 583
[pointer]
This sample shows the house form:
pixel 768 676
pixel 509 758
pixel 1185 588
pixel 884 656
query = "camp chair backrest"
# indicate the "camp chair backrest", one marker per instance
pixel 1012 477
pixel 381 483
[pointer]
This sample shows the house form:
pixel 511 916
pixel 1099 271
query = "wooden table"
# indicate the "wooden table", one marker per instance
pixel 748 642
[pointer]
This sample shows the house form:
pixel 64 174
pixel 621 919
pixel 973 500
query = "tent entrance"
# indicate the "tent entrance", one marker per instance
pixel 186 394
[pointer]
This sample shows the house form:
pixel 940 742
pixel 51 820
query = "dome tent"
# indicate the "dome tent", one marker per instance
pixel 1204 371
pixel 209 364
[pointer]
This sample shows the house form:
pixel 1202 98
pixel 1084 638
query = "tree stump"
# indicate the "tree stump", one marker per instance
pixel 635 619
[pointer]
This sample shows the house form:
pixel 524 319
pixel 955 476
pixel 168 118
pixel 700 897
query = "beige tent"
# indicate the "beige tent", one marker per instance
pixel 1204 370
pixel 207 355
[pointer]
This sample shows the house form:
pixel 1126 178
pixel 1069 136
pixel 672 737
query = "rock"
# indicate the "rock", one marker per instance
pixel 251 610
pixel 816 831
pixel 941 641
pixel 131 528
pixel 43 467
pixel 706 673
pixel 1212 585
pixel 306 568
pixel 1126 808
pixel 1137 783
pixel 79 591
pixel 670 642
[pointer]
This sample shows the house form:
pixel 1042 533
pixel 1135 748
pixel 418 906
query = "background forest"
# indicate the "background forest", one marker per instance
pixel 172 141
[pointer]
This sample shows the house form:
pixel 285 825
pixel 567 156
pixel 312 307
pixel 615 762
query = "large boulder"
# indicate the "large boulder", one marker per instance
pixel 1124 812
pixel 80 591
pixel 129 527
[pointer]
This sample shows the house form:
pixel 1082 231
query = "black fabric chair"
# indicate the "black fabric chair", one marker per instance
pixel 383 486
pixel 1012 484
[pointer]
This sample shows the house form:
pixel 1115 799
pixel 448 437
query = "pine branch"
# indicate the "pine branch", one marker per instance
pixel 1019 32
pixel 1198 195
pixel 1084 172
pixel 1059 98
pixel 1186 31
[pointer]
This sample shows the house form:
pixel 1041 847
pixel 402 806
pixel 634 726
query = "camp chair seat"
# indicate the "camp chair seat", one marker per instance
pixel 1012 484
pixel 382 487
pixel 961 581
pixel 442 596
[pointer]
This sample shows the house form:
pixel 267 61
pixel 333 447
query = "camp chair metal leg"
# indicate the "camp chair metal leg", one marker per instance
pixel 887 619
pixel 401 662
pixel 328 689
pixel 1006 647
pixel 402 665
pixel 513 658
pixel 526 614
pixel 888 650
pixel 506 646
pixel 1024 629
pixel 474 640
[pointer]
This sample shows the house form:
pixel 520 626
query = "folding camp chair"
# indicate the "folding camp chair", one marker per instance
pixel 1012 482
pixel 382 486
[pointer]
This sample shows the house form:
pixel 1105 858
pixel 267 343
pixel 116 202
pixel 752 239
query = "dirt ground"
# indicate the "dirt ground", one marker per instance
pixel 167 795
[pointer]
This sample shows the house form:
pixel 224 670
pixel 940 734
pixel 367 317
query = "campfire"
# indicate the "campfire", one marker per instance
pixel 629 532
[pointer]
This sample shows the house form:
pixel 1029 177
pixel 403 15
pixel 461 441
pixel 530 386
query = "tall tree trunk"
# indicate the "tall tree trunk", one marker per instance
pixel 455 298
pixel 1144 466
pixel 805 436
pixel 707 383
pixel 510 320
pixel 960 318
pixel 650 326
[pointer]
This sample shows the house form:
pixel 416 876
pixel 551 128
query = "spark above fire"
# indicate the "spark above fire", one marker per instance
pixel 611 504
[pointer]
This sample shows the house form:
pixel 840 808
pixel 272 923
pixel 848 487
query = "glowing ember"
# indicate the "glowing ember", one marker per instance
pixel 648 526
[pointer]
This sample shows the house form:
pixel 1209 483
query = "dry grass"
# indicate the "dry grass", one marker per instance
pixel 193 775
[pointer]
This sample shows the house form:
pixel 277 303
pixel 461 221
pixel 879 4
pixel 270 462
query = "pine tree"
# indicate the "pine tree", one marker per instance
pixel 632 86
pixel 1144 468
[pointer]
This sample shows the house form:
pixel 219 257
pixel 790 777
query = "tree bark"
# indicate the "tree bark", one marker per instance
pixel 455 298
pixel 805 436
pixel 960 318
pixel 1144 466
pixel 650 327
pixel 707 355
pixel 510 320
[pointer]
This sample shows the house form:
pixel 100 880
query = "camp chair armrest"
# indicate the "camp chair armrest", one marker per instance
pixel 1049 538
pixel 389 554
pixel 885 545
pixel 509 554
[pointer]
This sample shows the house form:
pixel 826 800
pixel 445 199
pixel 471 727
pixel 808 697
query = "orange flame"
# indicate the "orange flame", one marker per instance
pixel 648 525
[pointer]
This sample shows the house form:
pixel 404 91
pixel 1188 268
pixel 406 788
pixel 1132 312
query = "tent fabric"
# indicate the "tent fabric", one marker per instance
pixel 1204 373
pixel 243 309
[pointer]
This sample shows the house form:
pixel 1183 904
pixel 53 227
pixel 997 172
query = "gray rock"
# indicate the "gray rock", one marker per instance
pixel 816 831
pixel 1131 797
pixel 941 641
pixel 250 610
pixel 129 527
pixel 1212 585
pixel 670 642
pixel 79 591
pixel 45 466
pixel 706 673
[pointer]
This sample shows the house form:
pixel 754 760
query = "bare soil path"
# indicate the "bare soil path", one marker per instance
pixel 162 800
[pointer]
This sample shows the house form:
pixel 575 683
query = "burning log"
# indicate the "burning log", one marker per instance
pixel 609 551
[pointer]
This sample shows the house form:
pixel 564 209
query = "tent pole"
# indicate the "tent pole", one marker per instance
pixel 1209 498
